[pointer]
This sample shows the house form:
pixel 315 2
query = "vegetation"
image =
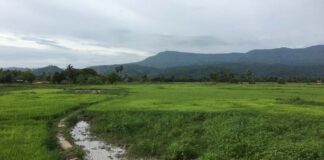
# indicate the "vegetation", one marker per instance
pixel 89 76
pixel 189 121
pixel 7 76
pixel 170 121
pixel 28 115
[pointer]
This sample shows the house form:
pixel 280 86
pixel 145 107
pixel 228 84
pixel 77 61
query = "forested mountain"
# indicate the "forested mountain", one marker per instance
pixel 284 62
pixel 130 69
pixel 16 69
pixel 46 70
pixel 302 56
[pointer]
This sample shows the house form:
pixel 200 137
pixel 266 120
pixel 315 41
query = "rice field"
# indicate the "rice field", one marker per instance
pixel 170 121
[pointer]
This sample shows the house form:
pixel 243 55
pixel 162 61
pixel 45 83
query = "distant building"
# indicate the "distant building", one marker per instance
pixel 319 81
pixel 41 82
pixel 20 81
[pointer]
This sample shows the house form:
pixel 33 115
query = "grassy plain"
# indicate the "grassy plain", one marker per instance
pixel 172 121
pixel 221 121
pixel 27 115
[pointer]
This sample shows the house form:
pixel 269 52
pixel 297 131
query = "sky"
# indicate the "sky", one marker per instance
pixel 37 33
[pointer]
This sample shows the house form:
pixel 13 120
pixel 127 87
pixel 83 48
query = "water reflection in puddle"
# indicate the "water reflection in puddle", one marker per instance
pixel 95 149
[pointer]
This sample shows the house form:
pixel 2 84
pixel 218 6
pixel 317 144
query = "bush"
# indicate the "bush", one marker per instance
pixel 281 81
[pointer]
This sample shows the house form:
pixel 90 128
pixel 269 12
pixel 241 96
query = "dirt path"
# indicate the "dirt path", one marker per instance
pixel 68 148
pixel 93 149
pixel 65 144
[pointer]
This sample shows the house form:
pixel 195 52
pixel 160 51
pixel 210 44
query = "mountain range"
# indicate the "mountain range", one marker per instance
pixel 263 62
pixel 38 71
pixel 302 56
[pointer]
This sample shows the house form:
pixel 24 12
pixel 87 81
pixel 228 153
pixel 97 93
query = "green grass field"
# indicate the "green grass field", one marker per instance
pixel 171 121
pixel 26 118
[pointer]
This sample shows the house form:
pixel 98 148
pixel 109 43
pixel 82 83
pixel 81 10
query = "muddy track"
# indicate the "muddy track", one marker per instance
pixel 69 149
pixel 95 148
pixel 64 135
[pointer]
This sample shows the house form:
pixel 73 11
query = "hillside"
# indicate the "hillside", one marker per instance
pixel 130 69
pixel 46 70
pixel 266 62
pixel 302 56
pixel 263 62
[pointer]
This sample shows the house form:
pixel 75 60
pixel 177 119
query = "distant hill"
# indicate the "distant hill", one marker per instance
pixel 16 69
pixel 263 62
pixel 37 71
pixel 302 56
pixel 46 70
pixel 130 69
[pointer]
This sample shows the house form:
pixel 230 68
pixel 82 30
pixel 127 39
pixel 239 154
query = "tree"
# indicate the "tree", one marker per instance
pixel 235 79
pixel 84 76
pixel 28 76
pixel 88 72
pixel 281 81
pixel 95 80
pixel 249 76
pixel 144 78
pixel 119 69
pixel 71 73
pixel 5 76
pixel 214 76
pixel 112 77
pixel 224 76
pixel 57 77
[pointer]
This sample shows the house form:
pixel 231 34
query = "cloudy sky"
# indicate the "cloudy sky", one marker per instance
pixel 35 33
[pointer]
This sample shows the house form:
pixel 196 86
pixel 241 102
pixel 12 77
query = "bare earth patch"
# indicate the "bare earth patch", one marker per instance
pixel 65 145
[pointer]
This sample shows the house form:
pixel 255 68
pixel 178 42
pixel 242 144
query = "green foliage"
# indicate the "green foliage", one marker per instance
pixel 220 135
pixel 112 77
pixel 249 77
pixel 28 76
pixel 202 121
pixel 145 78
pixel 71 73
pixel 170 121
pixel 228 76
pixel 57 77
pixel 281 81
pixel 7 76
pixel 234 73
pixel 224 76
pixel 27 120
pixel 300 101
pixel 119 69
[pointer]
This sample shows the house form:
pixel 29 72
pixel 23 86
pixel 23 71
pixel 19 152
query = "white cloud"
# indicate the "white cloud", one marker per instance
pixel 80 46
pixel 15 40
pixel 121 31
pixel 90 48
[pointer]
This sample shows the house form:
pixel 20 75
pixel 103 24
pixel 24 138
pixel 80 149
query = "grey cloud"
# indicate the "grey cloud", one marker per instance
pixel 195 26
pixel 21 57
pixel 46 42
pixel 198 41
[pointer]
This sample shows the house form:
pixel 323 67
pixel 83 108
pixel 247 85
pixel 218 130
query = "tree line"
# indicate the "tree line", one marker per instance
pixel 12 76
pixel 85 76
pixel 72 75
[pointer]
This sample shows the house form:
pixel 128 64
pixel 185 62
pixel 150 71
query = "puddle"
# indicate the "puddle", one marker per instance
pixel 94 149
pixel 87 91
